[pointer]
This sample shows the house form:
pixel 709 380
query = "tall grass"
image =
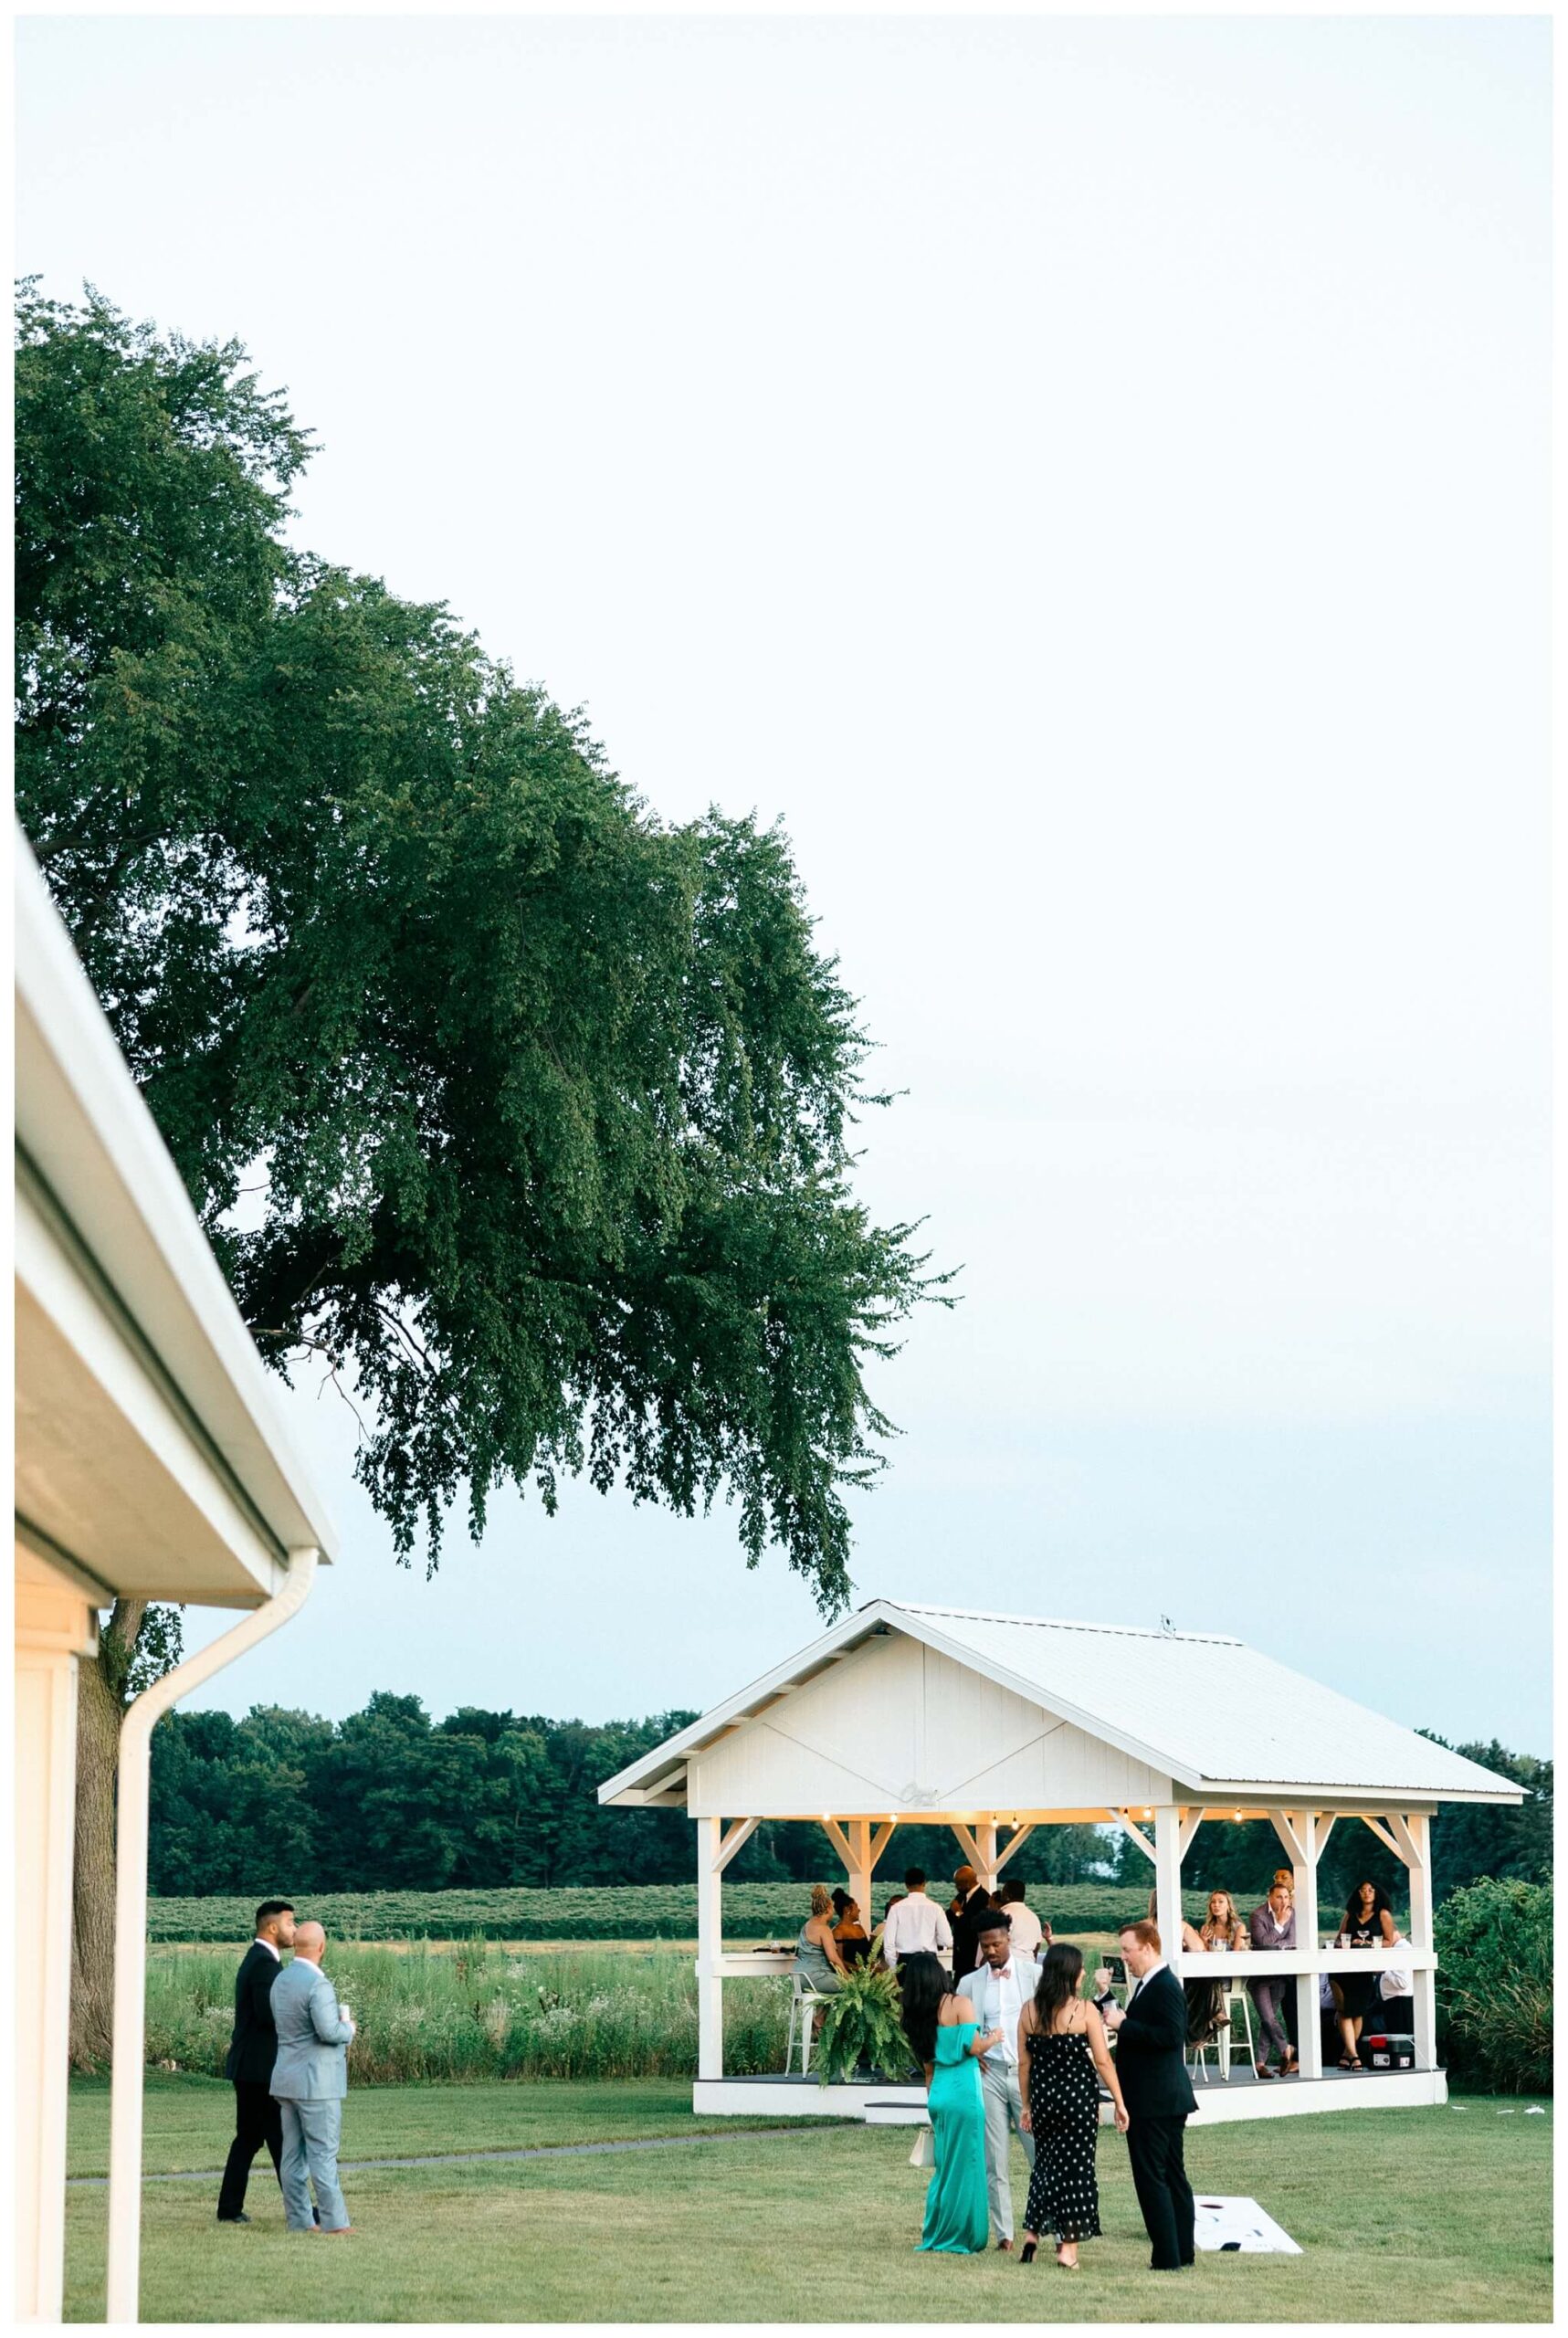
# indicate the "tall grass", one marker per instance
pixel 476 2012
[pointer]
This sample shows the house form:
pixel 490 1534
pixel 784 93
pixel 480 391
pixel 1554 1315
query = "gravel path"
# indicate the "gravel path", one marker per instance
pixel 473 2159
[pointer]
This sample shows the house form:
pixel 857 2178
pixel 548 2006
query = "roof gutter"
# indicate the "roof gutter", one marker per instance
pixel 131 1920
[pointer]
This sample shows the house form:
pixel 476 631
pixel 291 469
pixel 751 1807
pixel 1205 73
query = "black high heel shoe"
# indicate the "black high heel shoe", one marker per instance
pixel 1027 2254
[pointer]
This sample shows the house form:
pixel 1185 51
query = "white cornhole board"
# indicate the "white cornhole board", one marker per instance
pixel 1239 2225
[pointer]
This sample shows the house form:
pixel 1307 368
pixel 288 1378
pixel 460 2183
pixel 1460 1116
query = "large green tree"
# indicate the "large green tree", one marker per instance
pixel 540 1107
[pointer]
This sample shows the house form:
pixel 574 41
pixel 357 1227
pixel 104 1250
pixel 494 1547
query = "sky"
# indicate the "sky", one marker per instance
pixel 1088 479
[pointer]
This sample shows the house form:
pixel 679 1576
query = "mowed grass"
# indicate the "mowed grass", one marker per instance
pixel 1404 2215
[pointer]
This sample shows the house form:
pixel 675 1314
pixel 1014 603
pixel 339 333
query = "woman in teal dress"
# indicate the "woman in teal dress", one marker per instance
pixel 949 2042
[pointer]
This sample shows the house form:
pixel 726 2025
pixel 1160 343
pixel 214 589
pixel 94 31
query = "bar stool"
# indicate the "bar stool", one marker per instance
pixel 804 2001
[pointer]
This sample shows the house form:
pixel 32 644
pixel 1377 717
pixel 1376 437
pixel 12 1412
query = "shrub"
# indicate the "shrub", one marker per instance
pixel 862 2028
pixel 1494 1984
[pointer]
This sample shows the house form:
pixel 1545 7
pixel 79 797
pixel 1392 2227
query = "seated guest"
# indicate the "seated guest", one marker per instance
pixel 816 1958
pixel 1368 1923
pixel 1026 1929
pixel 915 1924
pixel 850 1936
pixel 1190 1939
pixel 1221 1929
pixel 1274 1926
pixel 1397 1992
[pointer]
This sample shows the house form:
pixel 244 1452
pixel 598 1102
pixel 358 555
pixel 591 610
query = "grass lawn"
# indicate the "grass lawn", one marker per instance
pixel 1404 2216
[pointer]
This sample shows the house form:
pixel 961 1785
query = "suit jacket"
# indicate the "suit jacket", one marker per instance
pixel 1151 2050
pixel 965 1935
pixel 1027 1973
pixel 1261 1931
pixel 254 2046
pixel 313 2063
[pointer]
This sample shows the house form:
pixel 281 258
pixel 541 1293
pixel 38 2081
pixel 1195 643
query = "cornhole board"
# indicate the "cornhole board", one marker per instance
pixel 1240 2226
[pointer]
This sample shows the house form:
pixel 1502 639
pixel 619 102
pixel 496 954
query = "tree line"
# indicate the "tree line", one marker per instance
pixel 390 1799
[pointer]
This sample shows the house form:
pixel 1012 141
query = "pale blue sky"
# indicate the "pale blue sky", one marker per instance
pixel 1090 479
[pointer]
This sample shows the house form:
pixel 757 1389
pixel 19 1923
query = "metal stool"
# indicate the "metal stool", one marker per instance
pixel 804 2001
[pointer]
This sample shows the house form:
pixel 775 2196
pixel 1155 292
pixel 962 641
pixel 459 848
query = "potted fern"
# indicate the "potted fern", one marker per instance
pixel 862 2030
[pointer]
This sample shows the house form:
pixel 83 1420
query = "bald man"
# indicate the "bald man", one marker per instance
pixel 309 2080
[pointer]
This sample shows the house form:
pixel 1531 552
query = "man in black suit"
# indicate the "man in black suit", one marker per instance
pixel 1151 2065
pixel 251 2054
pixel 971 1903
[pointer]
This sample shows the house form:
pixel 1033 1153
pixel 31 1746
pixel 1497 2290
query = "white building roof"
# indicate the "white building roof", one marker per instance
pixel 150 1452
pixel 1217 1717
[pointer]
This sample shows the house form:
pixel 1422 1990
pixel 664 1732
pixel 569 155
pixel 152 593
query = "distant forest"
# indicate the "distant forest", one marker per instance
pixel 390 1800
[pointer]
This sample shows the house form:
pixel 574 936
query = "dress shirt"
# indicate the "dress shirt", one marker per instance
pixel 272 1947
pixel 1160 1967
pixel 915 1924
pixel 999 2002
pixel 1025 1929
pixel 1396 1984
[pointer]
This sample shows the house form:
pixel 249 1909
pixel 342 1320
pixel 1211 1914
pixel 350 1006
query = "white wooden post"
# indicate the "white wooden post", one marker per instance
pixel 1304 1870
pixel 1168 1880
pixel 860 1867
pixel 709 1947
pixel 1423 1980
pixel 985 1843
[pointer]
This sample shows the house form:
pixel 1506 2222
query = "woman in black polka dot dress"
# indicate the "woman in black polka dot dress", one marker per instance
pixel 1062 2040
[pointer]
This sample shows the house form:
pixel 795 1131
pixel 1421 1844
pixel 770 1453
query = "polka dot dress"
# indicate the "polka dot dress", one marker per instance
pixel 1064 2111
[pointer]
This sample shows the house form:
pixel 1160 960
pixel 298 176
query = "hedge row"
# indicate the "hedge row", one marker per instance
pixel 629 1911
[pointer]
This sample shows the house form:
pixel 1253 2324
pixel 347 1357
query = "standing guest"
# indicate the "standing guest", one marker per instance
pixel 1028 1929
pixel 914 1923
pixel 1151 2065
pixel 948 2041
pixel 1222 1928
pixel 252 2050
pixel 1063 2042
pixel 817 1960
pixel 1273 1925
pixel 1368 1924
pixel 999 1988
pixel 309 2080
pixel 973 1902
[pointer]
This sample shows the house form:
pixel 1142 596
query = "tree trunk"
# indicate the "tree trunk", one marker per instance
pixel 100 1709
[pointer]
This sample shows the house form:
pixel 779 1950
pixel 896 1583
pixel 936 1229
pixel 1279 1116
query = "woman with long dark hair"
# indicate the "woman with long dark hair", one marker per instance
pixel 1061 2037
pixel 1368 1924
pixel 948 2042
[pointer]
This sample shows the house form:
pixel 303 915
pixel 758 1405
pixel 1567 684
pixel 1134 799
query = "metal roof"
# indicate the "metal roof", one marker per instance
pixel 1208 1709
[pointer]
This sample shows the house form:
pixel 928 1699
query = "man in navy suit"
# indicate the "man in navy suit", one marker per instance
pixel 252 2052
pixel 1151 2065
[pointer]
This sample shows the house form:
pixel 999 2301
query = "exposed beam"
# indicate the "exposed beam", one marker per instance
pixel 1381 1831
pixel 1284 1825
pixel 967 1844
pixel 840 1842
pixel 740 1832
pixel 1015 1842
pixel 1144 1845
pixel 1191 1821
pixel 1322 1828
pixel 880 1839
pixel 1404 1841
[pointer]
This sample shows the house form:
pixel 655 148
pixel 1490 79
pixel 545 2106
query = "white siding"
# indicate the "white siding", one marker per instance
pixel 897 1730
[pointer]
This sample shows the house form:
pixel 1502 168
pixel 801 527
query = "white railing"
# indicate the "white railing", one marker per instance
pixel 1195 1964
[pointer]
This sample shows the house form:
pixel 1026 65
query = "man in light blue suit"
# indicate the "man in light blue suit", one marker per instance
pixel 309 2080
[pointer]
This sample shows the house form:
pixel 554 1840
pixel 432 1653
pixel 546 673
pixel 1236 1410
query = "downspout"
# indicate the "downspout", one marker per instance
pixel 131 1921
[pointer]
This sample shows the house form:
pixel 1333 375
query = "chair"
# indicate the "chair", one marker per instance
pixel 804 2001
pixel 1234 1997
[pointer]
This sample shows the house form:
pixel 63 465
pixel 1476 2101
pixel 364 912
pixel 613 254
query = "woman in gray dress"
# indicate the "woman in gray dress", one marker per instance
pixel 816 1957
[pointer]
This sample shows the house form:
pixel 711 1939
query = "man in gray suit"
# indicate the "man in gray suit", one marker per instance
pixel 309 2080
pixel 1000 1987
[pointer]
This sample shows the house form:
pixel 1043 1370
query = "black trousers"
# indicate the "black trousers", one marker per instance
pixel 1164 2196
pixel 256 2120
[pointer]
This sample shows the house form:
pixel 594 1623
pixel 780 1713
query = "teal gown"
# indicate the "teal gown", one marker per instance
pixel 957 2219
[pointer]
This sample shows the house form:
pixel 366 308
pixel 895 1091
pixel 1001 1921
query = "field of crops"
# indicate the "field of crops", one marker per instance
pixel 752 1912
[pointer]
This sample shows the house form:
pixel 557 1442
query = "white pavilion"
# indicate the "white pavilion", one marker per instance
pixel 993 1725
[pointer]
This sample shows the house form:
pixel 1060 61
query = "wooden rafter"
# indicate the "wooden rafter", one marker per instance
pixel 1139 1837
pixel 730 1842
